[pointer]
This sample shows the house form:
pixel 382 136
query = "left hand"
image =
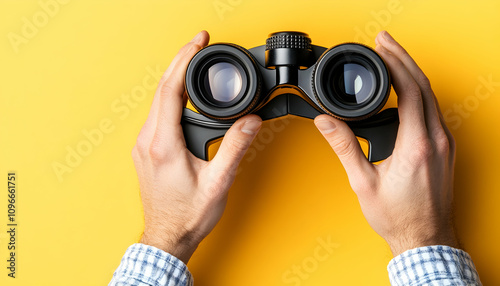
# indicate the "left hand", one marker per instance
pixel 183 196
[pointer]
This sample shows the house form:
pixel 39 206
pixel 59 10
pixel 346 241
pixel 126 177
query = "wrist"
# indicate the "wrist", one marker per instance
pixel 403 243
pixel 182 248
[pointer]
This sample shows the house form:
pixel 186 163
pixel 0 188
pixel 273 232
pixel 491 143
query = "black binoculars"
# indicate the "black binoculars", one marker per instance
pixel 289 76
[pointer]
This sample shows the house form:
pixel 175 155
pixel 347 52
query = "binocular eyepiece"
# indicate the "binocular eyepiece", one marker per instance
pixel 349 81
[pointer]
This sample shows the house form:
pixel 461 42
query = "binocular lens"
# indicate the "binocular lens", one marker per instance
pixel 224 82
pixel 353 83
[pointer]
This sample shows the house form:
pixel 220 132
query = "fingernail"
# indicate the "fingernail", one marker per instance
pixel 326 126
pixel 388 37
pixel 196 38
pixel 251 127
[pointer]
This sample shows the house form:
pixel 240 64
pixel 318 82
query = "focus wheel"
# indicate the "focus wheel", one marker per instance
pixel 290 40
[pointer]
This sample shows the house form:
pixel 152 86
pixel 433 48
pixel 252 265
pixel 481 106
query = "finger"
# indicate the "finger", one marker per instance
pixel 150 124
pixel 441 119
pixel 410 105
pixel 202 39
pixel 449 135
pixel 345 144
pixel 235 144
pixel 431 112
pixel 170 105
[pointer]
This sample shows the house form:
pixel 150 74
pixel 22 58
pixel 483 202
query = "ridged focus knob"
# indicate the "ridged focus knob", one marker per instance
pixel 290 40
pixel 288 49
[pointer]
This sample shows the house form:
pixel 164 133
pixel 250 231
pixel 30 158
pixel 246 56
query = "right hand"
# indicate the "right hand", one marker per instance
pixel 407 199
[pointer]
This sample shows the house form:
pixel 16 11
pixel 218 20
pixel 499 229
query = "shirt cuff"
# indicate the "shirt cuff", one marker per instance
pixel 147 265
pixel 433 265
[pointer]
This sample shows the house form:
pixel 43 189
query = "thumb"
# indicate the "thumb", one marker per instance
pixel 344 144
pixel 235 144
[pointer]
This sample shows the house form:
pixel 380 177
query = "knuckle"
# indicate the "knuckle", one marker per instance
pixel 218 182
pixel 188 48
pixel 363 185
pixel 141 145
pixel 453 143
pixel 424 81
pixel 167 88
pixel 401 51
pixel 422 150
pixel 235 146
pixel 343 147
pixel 157 152
pixel 413 91
pixel 442 143
pixel 195 47
pixel 135 153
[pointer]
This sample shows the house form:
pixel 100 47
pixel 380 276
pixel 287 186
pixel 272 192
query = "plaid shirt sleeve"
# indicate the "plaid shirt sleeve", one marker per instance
pixel 147 265
pixel 433 265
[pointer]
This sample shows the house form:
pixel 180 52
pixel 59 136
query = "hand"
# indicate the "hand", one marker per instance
pixel 183 196
pixel 407 199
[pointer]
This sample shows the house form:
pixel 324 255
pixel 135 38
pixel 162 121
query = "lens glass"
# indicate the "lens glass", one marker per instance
pixel 355 84
pixel 224 81
pixel 351 82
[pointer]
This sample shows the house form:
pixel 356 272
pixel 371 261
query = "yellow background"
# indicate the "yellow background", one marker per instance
pixel 67 76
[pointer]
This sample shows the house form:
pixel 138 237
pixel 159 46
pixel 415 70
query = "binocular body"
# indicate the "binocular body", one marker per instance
pixel 289 76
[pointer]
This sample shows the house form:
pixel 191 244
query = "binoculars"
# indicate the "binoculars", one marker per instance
pixel 289 76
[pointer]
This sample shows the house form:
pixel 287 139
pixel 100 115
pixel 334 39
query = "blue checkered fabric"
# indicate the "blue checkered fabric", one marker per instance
pixel 147 265
pixel 433 265
pixel 430 265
